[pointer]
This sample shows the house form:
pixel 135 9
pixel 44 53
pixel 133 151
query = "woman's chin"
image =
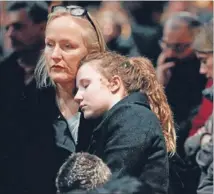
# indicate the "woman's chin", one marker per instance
pixel 61 77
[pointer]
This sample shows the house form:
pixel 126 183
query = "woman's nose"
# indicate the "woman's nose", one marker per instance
pixel 203 69
pixel 56 54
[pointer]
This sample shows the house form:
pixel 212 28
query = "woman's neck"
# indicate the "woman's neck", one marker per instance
pixel 65 100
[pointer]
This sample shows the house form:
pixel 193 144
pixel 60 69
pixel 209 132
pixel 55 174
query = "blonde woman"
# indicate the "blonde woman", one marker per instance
pixel 70 34
pixel 136 130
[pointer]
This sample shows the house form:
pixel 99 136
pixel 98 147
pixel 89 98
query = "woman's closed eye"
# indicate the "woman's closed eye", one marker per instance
pixel 49 44
pixel 203 60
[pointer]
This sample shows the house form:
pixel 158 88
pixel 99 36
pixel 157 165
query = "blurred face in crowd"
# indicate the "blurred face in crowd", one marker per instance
pixel 206 60
pixel 109 26
pixel 64 48
pixel 22 31
pixel 176 40
pixel 94 93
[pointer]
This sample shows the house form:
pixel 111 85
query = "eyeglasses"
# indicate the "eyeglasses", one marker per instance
pixel 75 11
pixel 178 47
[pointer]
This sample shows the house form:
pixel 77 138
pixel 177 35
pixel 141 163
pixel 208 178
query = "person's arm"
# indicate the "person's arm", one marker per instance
pixel 136 146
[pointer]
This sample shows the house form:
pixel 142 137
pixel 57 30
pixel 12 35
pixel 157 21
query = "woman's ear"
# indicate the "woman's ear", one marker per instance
pixel 115 84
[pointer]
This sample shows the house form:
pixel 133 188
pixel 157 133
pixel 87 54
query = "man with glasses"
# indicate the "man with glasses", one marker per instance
pixel 178 67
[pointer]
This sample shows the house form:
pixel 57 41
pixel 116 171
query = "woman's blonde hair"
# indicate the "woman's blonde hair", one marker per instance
pixel 203 41
pixel 93 40
pixel 138 74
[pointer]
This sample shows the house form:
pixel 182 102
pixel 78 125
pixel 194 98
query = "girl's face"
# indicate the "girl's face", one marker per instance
pixel 94 94
pixel 64 49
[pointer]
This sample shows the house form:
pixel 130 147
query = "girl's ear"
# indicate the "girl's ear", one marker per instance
pixel 115 84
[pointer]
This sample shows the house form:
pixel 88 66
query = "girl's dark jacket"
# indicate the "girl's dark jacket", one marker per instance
pixel 129 139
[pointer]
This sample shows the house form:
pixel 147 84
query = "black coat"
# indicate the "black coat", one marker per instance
pixel 184 90
pixel 29 125
pixel 130 140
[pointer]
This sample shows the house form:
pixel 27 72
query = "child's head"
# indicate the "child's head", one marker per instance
pixel 82 171
pixel 99 90
pixel 105 78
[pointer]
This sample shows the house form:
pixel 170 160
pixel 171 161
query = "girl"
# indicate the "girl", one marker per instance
pixel 136 128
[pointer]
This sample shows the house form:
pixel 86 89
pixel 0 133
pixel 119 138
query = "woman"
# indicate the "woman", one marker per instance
pixel 71 34
pixel 135 117
pixel 199 147
pixel 203 47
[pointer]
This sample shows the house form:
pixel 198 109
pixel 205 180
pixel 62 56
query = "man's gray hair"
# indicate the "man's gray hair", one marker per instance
pixel 190 19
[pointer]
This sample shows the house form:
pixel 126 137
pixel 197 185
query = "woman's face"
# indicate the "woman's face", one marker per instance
pixel 64 49
pixel 206 67
pixel 94 95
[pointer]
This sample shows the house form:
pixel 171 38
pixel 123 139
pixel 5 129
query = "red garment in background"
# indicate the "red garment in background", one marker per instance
pixel 204 112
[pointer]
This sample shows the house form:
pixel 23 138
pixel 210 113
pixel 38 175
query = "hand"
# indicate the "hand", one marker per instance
pixel 163 69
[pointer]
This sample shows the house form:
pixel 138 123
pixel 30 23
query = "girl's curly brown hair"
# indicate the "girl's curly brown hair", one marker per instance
pixel 138 74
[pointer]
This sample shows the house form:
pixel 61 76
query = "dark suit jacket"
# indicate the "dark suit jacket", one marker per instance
pixel 130 140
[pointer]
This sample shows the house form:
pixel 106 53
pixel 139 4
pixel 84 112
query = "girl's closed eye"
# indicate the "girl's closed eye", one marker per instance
pixel 86 85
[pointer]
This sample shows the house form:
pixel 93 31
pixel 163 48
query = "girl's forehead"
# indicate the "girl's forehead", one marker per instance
pixel 93 63
pixel 89 70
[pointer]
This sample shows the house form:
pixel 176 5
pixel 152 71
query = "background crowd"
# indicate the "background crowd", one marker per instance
pixel 164 32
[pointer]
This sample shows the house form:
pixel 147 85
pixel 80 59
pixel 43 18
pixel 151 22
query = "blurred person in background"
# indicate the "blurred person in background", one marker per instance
pixel 145 26
pixel 115 26
pixel 172 7
pixel 202 9
pixel 24 25
pixel 203 46
pixel 112 24
pixel 178 69
pixel 199 147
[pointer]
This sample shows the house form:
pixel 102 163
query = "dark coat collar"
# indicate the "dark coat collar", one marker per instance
pixel 136 98
pixel 133 98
